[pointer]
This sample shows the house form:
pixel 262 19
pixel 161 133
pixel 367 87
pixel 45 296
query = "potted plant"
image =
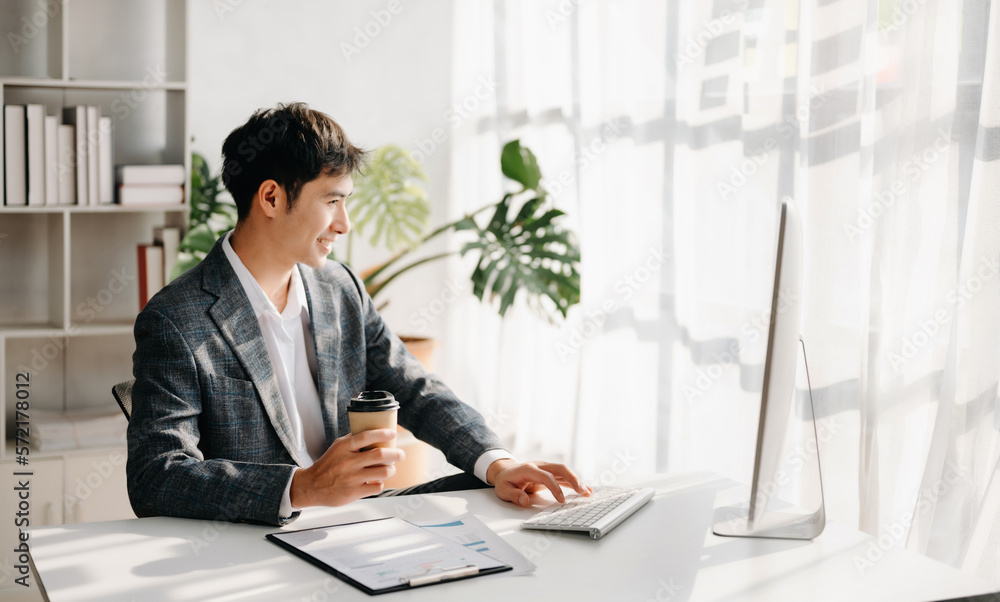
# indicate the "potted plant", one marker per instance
pixel 211 215
pixel 522 247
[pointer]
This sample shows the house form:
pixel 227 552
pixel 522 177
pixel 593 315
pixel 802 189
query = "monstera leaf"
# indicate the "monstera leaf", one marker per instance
pixel 527 251
pixel 519 164
pixel 389 202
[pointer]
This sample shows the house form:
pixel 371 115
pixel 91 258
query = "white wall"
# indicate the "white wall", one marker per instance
pixel 246 54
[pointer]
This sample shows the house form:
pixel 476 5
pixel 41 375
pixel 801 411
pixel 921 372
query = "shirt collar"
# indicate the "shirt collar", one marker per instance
pixel 258 298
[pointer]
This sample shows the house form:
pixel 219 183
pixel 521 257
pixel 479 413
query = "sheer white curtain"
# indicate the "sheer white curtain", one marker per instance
pixel 668 131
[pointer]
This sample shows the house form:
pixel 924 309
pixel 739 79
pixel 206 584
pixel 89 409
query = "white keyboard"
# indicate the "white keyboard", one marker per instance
pixel 596 515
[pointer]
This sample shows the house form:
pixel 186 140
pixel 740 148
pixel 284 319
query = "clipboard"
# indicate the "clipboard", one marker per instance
pixel 386 555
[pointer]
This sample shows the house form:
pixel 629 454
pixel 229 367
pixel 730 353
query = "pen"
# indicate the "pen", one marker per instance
pixel 455 573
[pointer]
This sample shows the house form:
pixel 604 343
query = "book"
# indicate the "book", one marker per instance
pixel 77 117
pixel 77 429
pixel 15 159
pixel 51 160
pixel 106 183
pixel 170 239
pixel 150 272
pixel 35 132
pixel 150 174
pixel 150 195
pixel 93 155
pixel 65 170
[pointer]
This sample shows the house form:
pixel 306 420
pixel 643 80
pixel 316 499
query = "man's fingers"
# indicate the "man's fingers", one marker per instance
pixel 563 473
pixel 537 475
pixel 370 489
pixel 514 495
pixel 382 455
pixel 377 473
pixel 517 483
pixel 367 438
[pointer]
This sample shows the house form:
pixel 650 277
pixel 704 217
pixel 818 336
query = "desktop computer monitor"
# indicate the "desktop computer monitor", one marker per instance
pixel 781 369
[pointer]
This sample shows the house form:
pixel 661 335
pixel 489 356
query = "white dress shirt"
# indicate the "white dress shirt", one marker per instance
pixel 289 341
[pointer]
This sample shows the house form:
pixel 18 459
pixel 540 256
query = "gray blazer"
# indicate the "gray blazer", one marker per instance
pixel 209 436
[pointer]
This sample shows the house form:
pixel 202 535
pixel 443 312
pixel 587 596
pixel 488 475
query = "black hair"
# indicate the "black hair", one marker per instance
pixel 290 144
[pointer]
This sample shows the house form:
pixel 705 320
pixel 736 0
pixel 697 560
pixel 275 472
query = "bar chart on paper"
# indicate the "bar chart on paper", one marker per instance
pixel 469 531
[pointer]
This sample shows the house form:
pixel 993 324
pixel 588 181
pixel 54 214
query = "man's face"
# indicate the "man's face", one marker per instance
pixel 318 217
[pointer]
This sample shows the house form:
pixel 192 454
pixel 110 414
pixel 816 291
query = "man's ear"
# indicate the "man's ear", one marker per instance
pixel 270 198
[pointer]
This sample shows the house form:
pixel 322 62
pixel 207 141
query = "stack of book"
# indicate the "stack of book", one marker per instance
pixel 150 184
pixel 94 427
pixel 51 163
pixel 156 262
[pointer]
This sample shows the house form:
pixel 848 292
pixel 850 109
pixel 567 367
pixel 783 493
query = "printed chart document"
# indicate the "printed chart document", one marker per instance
pixel 473 533
pixel 387 555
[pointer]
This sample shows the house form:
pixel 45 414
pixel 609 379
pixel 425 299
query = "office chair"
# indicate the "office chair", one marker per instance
pixel 123 395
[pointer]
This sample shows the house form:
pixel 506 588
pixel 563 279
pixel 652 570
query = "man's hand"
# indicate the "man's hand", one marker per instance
pixel 514 482
pixel 344 473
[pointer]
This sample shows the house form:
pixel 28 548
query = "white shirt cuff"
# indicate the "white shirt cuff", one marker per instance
pixel 484 461
pixel 286 509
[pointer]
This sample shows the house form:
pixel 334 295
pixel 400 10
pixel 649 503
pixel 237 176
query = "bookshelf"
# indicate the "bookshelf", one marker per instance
pixel 68 274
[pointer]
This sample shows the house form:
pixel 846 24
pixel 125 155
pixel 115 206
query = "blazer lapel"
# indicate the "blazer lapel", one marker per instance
pixel 235 318
pixel 324 319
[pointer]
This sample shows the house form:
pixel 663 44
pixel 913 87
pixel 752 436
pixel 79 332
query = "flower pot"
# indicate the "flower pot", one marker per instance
pixel 414 469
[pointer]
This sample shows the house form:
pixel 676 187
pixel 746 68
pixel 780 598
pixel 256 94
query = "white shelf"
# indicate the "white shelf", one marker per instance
pixel 69 296
pixel 30 331
pixel 97 329
pixel 32 82
pixel 93 208
pixel 41 455
pixel 41 331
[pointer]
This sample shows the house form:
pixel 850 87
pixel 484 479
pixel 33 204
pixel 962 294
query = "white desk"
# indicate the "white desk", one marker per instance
pixel 665 552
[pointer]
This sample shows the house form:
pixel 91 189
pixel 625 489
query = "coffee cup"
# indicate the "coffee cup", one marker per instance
pixel 373 410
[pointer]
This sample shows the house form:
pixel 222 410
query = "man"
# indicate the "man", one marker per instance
pixel 244 365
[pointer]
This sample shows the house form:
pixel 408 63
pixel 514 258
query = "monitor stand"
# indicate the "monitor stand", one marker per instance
pixel 734 521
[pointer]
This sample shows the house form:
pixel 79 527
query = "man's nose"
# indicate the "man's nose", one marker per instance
pixel 341 222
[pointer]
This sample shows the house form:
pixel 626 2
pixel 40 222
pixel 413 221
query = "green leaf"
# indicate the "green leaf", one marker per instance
pixel 519 164
pixel 543 221
pixel 469 246
pixel 533 253
pixel 183 264
pixel 466 224
pixel 200 238
pixel 499 219
pixel 390 204
pixel 528 209
pixel 509 289
pixel 479 277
